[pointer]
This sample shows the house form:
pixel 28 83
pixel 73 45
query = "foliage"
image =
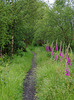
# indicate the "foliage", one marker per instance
pixel 51 81
pixel 12 76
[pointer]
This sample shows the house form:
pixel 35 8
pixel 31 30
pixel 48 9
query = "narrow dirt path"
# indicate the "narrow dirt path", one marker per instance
pixel 29 82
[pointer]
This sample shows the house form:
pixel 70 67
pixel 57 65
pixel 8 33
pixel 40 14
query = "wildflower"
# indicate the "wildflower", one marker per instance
pixel 59 58
pixel 67 71
pixel 56 46
pixel 60 48
pixel 51 48
pixel 70 63
pixel 68 60
pixel 66 64
pixel 60 55
pixel 71 59
pixel 47 48
pixel 66 57
pixel 56 57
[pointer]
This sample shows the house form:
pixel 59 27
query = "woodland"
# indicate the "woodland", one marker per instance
pixel 34 22
pixel 36 50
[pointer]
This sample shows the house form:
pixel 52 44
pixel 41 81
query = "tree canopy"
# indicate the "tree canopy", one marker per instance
pixel 24 22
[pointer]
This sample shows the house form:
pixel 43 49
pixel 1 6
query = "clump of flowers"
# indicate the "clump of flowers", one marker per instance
pixel 61 55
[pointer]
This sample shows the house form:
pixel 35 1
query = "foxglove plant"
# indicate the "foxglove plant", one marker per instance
pixel 51 48
pixel 68 60
pixel 56 57
pixel 71 59
pixel 60 52
pixel 66 56
pixel 59 57
pixel 47 48
pixel 56 46
pixel 60 47
pixel 67 71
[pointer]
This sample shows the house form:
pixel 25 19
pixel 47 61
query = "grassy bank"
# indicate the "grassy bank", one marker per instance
pixel 12 73
pixel 52 83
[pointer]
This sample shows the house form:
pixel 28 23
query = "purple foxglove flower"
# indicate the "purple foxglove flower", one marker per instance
pixel 66 64
pixel 67 71
pixel 56 57
pixel 51 48
pixel 70 63
pixel 68 60
pixel 59 57
pixel 66 56
pixel 47 48
pixel 62 54
pixel 56 46
pixel 60 48
pixel 71 59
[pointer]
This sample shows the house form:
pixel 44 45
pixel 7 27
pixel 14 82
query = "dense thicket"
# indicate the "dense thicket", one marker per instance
pixel 28 21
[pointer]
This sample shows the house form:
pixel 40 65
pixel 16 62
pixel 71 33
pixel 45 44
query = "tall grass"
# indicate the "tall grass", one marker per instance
pixel 12 76
pixel 52 83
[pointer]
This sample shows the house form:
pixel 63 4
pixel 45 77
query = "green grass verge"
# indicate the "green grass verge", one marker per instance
pixel 51 81
pixel 12 74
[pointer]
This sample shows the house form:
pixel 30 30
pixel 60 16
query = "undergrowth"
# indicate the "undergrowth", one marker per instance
pixel 51 81
pixel 12 74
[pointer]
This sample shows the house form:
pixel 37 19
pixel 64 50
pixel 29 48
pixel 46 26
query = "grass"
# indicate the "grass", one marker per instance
pixel 12 74
pixel 51 81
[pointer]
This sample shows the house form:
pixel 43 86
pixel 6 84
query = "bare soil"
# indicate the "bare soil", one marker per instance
pixel 29 83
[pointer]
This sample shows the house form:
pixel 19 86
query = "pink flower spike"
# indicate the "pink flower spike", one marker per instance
pixel 70 63
pixel 66 64
pixel 68 60
pixel 47 48
pixel 51 48
pixel 67 71
pixel 60 54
